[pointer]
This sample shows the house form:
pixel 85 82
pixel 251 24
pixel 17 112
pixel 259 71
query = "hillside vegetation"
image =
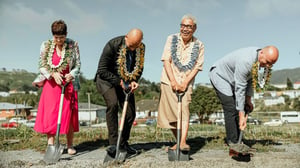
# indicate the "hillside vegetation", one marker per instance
pixel 280 76
pixel 21 79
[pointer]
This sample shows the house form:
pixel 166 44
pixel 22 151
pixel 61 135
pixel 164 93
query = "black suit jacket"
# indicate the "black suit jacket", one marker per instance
pixel 107 75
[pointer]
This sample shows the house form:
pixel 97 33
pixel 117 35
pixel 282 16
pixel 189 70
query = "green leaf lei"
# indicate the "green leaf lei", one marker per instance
pixel 258 82
pixel 139 63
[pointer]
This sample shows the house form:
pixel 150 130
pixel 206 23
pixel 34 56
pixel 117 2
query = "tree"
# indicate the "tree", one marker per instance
pixel 297 104
pixel 204 101
pixel 88 86
pixel 289 84
pixel 4 88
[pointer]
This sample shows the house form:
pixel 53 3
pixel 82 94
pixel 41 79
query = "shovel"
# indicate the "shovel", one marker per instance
pixel 120 155
pixel 240 147
pixel 54 152
pixel 178 155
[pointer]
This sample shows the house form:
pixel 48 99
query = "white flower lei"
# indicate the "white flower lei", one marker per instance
pixel 46 60
pixel 175 53
pixel 51 55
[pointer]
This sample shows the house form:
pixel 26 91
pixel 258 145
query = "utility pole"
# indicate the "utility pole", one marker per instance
pixel 89 104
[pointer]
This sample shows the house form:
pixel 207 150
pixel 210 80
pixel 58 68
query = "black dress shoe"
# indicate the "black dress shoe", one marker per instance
pixel 111 150
pixel 130 150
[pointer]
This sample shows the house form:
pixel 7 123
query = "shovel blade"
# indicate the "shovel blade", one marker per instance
pixel 53 153
pixel 108 158
pixel 240 148
pixel 119 158
pixel 173 155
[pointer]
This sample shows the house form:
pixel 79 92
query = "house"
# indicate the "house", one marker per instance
pixel 87 112
pixel 4 94
pixel 217 115
pixel 146 108
pixel 91 112
pixel 8 110
pixel 292 93
pixel 270 101
pixel 280 86
pixel 297 85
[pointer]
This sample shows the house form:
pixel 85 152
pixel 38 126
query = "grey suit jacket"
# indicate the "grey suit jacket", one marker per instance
pixel 231 75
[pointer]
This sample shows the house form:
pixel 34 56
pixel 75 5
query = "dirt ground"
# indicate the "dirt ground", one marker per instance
pixel 153 155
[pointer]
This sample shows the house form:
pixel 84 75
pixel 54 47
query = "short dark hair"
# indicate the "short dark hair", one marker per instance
pixel 59 27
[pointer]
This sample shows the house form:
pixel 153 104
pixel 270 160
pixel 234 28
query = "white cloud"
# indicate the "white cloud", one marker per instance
pixel 158 7
pixel 259 9
pixel 37 18
pixel 22 15
pixel 82 21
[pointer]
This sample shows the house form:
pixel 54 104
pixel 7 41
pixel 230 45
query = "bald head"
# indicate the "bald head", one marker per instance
pixel 268 56
pixel 272 53
pixel 134 38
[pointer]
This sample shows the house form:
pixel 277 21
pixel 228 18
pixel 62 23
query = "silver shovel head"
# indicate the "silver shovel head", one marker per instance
pixel 119 158
pixel 183 155
pixel 53 153
pixel 239 147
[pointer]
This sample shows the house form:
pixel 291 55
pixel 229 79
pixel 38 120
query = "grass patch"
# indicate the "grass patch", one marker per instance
pixel 201 136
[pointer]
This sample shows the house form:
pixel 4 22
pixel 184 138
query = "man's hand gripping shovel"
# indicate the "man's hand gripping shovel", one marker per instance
pixel 240 149
pixel 178 155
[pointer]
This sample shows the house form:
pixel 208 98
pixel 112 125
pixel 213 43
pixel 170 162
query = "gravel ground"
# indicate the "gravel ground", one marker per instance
pixel 153 155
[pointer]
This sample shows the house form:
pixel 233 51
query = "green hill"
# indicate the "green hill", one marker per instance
pixel 280 76
pixel 21 79
pixel 16 80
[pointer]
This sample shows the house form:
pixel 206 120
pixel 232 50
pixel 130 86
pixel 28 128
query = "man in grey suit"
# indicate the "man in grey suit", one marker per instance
pixel 234 77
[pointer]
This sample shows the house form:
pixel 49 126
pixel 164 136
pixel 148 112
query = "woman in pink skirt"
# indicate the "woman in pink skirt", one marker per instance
pixel 59 63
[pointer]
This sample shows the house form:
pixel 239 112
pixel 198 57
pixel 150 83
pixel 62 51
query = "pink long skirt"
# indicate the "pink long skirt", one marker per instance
pixel 47 114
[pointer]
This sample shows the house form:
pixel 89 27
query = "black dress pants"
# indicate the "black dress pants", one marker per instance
pixel 114 98
pixel 231 117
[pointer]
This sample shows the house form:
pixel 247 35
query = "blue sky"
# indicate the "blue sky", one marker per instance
pixel 223 26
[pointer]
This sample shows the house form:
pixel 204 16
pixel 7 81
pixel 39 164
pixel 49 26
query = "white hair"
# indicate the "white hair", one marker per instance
pixel 189 16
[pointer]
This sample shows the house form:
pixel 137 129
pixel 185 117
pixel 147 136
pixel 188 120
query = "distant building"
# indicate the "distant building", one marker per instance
pixel 87 112
pixel 4 94
pixel 280 86
pixel 217 115
pixel 297 85
pixel 146 108
pixel 292 93
pixel 274 101
pixel 91 112
pixel 8 110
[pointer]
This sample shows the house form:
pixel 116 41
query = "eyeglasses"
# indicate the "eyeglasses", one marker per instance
pixel 59 36
pixel 186 26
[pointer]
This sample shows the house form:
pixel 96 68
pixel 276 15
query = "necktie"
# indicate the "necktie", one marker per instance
pixel 129 61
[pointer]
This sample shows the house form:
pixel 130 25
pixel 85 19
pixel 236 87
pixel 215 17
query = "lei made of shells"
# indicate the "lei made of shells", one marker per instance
pixel 175 53
pixel 46 60
pixel 260 81
pixel 138 67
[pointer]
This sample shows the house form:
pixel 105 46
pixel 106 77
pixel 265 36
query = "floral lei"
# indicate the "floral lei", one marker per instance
pixel 139 63
pixel 46 60
pixel 258 81
pixel 175 52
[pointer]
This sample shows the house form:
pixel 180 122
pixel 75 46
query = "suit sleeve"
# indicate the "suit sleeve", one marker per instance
pixel 241 85
pixel 106 63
